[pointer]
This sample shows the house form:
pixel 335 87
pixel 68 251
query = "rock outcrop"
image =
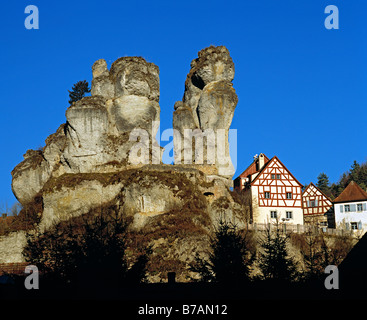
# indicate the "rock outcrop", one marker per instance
pixel 99 131
pixel 106 152
pixel 206 110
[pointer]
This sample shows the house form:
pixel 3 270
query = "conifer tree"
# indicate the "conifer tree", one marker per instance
pixel 78 91
pixel 323 182
pixel 274 262
pixel 230 258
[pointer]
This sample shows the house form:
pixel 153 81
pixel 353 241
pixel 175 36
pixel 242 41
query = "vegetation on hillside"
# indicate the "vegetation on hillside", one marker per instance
pixel 357 173
pixel 86 252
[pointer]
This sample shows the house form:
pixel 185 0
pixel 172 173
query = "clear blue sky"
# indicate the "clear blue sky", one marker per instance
pixel 302 88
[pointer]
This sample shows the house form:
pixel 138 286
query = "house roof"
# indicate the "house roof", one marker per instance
pixel 251 169
pixel 266 165
pixel 353 192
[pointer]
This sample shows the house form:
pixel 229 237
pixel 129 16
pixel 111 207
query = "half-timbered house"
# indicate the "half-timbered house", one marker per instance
pixel 317 207
pixel 276 194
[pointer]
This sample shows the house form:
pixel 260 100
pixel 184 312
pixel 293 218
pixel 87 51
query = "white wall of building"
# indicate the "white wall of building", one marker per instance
pixel 263 214
pixel 344 218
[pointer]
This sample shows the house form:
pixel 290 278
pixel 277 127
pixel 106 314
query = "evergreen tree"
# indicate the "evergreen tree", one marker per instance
pixel 274 261
pixel 78 91
pixel 230 258
pixel 323 183
pixel 357 173
pixel 354 172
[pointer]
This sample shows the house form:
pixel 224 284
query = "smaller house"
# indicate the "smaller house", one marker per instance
pixel 316 207
pixel 350 208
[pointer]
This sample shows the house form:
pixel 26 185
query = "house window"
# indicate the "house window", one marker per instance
pixel 278 176
pixel 359 207
pixel 347 208
pixel 354 225
pixel 289 214
pixel 267 195
pixel 273 176
pixel 312 203
pixel 289 195
pixel 273 214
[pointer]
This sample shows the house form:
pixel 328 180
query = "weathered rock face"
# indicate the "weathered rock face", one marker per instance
pixel 207 108
pixel 30 175
pixel 95 137
pixel 91 161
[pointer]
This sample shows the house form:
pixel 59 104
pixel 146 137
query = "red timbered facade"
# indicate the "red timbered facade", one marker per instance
pixel 275 192
pixel 316 206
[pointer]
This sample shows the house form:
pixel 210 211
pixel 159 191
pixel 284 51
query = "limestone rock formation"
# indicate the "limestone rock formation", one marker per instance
pixel 207 108
pixel 95 137
pixel 88 162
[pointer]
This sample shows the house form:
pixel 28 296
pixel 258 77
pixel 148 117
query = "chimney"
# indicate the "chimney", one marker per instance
pixel 261 161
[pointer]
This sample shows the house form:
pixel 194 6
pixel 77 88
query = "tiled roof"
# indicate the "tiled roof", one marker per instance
pixel 353 192
pixel 251 169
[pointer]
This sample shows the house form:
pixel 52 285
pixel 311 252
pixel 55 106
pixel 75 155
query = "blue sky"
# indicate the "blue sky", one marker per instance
pixel 301 88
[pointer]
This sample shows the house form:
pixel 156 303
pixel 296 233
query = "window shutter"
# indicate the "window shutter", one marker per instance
pixel 360 225
pixel 316 202
pixel 346 226
pixel 353 208
pixel 308 203
pixel 365 206
pixel 341 208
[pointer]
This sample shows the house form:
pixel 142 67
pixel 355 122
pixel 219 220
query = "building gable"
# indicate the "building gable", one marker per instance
pixel 314 201
pixel 276 186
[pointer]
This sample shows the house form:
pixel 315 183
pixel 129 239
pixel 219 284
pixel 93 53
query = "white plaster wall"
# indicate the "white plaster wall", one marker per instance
pixel 262 214
pixel 347 217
